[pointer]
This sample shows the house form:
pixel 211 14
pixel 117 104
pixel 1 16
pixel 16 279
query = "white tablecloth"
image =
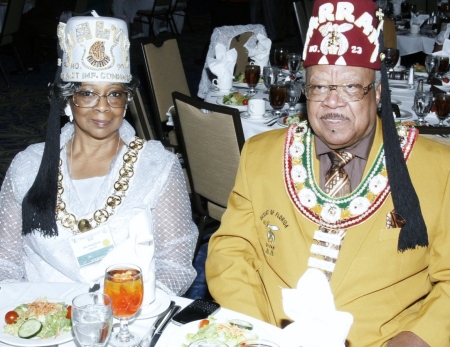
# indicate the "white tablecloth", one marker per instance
pixel 408 44
pixel 173 336
pixel 29 4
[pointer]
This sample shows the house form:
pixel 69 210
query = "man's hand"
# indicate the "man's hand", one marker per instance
pixel 407 339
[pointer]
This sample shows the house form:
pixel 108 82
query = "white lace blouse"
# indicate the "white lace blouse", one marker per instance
pixel 158 185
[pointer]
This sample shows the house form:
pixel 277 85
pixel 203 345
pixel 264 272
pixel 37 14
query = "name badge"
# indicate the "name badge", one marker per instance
pixel 92 246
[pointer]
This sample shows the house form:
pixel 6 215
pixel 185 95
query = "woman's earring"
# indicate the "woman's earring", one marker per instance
pixel 68 112
pixel 125 111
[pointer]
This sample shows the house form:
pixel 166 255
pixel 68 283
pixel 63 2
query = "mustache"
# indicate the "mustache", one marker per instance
pixel 333 115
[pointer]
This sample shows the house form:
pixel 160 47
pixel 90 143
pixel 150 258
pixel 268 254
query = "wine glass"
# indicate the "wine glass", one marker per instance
pixel 422 105
pixel 123 283
pixel 92 319
pixel 269 76
pixel 431 66
pixel 294 91
pixel 294 60
pixel 252 74
pixel 277 98
pixel 280 59
pixel 442 105
pixel 391 56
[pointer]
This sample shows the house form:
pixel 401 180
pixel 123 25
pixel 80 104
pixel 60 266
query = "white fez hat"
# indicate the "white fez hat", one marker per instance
pixel 95 49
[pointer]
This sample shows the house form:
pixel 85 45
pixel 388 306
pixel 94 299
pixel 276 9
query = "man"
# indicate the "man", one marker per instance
pixel 386 256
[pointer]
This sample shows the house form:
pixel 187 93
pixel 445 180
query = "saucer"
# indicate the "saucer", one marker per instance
pixel 162 301
pixel 216 91
pixel 246 115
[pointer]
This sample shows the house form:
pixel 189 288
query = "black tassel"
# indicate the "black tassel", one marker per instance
pixel 406 202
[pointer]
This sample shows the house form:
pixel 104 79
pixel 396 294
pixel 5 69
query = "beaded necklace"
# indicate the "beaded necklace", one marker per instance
pixel 70 221
pixel 342 212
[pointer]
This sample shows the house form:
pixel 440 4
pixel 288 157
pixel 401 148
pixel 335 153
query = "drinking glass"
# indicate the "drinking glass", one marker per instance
pixel 422 105
pixel 442 105
pixel 92 319
pixel 294 91
pixel 294 61
pixel 123 283
pixel 277 98
pixel 270 77
pixel 442 65
pixel 257 343
pixel 391 57
pixel 431 64
pixel 252 74
pixel 280 59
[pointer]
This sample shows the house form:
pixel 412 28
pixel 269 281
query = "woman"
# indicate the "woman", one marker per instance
pixel 117 197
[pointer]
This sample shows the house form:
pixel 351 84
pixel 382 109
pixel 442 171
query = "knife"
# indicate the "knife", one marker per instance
pixel 161 328
pixel 145 342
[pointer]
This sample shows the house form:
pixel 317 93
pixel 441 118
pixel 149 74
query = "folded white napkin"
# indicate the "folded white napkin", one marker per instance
pixel 311 307
pixel 138 249
pixel 261 52
pixel 223 64
pixel 418 19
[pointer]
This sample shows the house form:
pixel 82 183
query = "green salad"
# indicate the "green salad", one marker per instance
pixel 235 98
pixel 227 332
pixel 241 78
pixel 52 318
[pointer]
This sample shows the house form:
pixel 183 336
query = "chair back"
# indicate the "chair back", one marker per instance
pixel 238 43
pixel 211 139
pixel 302 19
pixel 140 118
pixel 165 74
pixel 308 4
pixel 11 22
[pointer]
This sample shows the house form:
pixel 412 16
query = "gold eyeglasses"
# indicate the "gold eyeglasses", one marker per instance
pixel 87 99
pixel 346 92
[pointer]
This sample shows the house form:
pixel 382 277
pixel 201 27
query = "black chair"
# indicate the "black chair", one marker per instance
pixel 11 25
pixel 211 138
pixel 302 18
pixel 160 10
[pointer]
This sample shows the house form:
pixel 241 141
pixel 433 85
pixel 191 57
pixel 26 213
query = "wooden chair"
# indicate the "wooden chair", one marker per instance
pixel 140 118
pixel 165 74
pixel 211 139
pixel 11 25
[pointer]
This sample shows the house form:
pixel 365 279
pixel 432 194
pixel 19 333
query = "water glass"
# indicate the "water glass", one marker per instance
pixel 257 343
pixel 92 319
pixel 270 76
pixel 294 91
pixel 422 105
pixel 294 62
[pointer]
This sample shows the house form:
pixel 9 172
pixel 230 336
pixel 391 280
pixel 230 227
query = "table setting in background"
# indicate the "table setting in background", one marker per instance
pixel 267 96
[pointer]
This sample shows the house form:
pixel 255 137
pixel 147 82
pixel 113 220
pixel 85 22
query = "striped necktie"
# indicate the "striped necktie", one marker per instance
pixel 337 182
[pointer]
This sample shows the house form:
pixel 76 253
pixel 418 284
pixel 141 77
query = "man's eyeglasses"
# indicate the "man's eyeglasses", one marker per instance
pixel 346 92
pixel 87 99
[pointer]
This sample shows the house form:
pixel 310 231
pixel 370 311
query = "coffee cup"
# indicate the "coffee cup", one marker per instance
pixel 256 108
pixel 414 29
pixel 223 84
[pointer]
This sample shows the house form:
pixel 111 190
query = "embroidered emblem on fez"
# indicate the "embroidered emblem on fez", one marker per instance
pixel 97 55
pixel 334 42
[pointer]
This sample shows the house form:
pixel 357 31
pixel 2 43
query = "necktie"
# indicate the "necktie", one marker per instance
pixel 337 182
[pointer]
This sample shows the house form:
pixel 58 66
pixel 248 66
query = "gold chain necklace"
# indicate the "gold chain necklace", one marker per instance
pixel 69 221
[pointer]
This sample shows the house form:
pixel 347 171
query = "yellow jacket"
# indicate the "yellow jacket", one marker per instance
pixel 386 291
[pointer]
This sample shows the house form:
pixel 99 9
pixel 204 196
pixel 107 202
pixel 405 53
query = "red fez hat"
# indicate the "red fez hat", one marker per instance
pixel 344 33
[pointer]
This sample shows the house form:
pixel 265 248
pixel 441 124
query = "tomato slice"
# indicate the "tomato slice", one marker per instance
pixel 203 323
pixel 245 102
pixel 11 317
pixel 69 312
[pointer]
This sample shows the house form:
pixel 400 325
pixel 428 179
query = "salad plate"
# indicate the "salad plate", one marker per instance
pixel 32 342
pixel 162 301
pixel 246 115
pixel 400 86
pixel 239 107
pixel 245 85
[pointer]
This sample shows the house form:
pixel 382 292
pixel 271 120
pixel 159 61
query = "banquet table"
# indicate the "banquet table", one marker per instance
pixel 410 44
pixel 173 336
pixel 29 4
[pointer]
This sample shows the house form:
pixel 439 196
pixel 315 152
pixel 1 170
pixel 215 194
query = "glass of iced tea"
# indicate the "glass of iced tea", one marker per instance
pixel 123 284
pixel 442 106
pixel 252 74
pixel 277 98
